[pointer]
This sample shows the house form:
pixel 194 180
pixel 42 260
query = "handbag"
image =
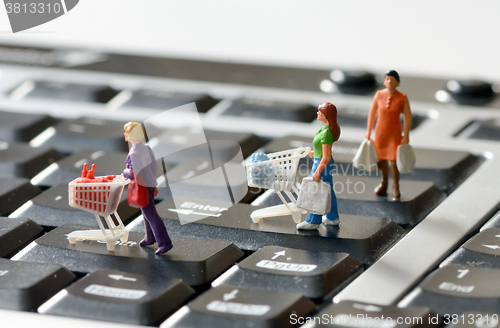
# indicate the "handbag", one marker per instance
pixel 315 197
pixel 366 157
pixel 137 193
pixel 405 159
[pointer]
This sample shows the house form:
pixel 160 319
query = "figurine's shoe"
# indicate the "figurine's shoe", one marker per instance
pixel 307 226
pixel 329 222
pixel 396 194
pixel 145 242
pixel 164 249
pixel 381 189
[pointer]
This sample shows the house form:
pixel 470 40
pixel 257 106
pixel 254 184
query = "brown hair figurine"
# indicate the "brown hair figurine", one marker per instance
pixel 389 103
pixel 323 165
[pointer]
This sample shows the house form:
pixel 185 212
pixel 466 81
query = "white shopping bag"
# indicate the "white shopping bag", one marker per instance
pixel 315 197
pixel 405 158
pixel 366 158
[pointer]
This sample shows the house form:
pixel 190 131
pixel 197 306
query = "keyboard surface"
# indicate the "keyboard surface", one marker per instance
pixel 433 255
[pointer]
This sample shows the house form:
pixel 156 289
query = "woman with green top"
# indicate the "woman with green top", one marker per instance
pixel 323 164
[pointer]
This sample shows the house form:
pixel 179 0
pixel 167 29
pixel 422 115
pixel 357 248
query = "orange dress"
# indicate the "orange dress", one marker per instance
pixel 388 130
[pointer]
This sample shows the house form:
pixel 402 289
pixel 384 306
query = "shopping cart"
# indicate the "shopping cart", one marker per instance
pixel 278 173
pixel 100 199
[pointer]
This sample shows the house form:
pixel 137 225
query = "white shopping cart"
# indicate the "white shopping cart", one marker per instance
pixel 100 199
pixel 278 173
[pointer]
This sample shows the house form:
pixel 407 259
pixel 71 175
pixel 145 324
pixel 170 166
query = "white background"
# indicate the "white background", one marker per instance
pixel 447 38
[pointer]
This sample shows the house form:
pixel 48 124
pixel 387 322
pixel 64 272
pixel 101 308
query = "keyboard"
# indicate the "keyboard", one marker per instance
pixel 430 259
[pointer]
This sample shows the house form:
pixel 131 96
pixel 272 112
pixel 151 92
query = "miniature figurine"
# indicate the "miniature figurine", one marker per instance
pixel 141 164
pixel 389 103
pixel 323 165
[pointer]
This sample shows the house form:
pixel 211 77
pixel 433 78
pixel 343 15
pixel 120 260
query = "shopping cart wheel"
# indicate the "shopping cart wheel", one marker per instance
pixel 297 216
pixel 124 238
pixel 255 219
pixel 111 245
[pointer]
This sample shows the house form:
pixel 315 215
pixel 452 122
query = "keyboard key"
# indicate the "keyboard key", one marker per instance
pixel 456 289
pixel 218 220
pixel 196 261
pixel 481 251
pixel 354 82
pixel 25 286
pixel 224 307
pixel 51 209
pixel 282 269
pixel 70 167
pixel 16 233
pixel 87 133
pixel 273 110
pixel 471 92
pixel 355 196
pixel 200 178
pixel 21 160
pixel 64 91
pixel 188 143
pixel 164 99
pixel 446 168
pixel 14 193
pixel 488 129
pixel 120 297
pixel 356 314
pixel 356 116
pixel 16 126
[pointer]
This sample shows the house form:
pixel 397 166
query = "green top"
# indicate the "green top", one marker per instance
pixel 323 136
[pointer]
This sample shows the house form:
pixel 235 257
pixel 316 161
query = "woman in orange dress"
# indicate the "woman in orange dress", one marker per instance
pixel 390 104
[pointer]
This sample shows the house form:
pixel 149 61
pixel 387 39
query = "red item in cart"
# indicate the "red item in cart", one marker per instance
pixel 93 197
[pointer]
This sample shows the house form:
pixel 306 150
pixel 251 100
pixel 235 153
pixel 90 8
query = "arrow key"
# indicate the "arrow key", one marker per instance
pixel 120 297
pixel 226 306
pixel 313 274
pixel 482 250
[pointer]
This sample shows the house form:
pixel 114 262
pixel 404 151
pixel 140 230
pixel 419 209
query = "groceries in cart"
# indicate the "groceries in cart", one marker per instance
pixel 99 196
pixel 277 171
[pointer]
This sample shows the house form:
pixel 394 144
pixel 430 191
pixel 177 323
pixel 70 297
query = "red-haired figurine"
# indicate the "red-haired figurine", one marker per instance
pixel 389 103
pixel 323 165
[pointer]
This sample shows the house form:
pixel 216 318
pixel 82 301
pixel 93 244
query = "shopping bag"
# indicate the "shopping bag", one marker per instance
pixel 405 158
pixel 137 194
pixel 315 197
pixel 366 157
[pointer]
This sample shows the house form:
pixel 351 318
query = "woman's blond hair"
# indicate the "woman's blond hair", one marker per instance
pixel 134 130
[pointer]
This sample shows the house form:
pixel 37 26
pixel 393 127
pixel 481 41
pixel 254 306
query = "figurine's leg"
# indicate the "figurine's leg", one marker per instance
pixel 326 176
pixel 381 189
pixel 395 177
pixel 149 238
pixel 157 226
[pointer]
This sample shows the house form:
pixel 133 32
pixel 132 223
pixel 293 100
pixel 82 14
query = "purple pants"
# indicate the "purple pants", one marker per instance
pixel 155 229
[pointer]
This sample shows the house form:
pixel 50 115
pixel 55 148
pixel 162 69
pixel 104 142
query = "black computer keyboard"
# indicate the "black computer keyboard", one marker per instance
pixel 430 259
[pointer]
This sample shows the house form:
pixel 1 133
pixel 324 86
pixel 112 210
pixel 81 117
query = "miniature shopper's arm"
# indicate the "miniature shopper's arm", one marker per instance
pixel 371 116
pixel 407 121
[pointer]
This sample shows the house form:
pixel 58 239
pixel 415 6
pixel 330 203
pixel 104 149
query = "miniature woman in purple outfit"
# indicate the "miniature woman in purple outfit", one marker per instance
pixel 142 162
